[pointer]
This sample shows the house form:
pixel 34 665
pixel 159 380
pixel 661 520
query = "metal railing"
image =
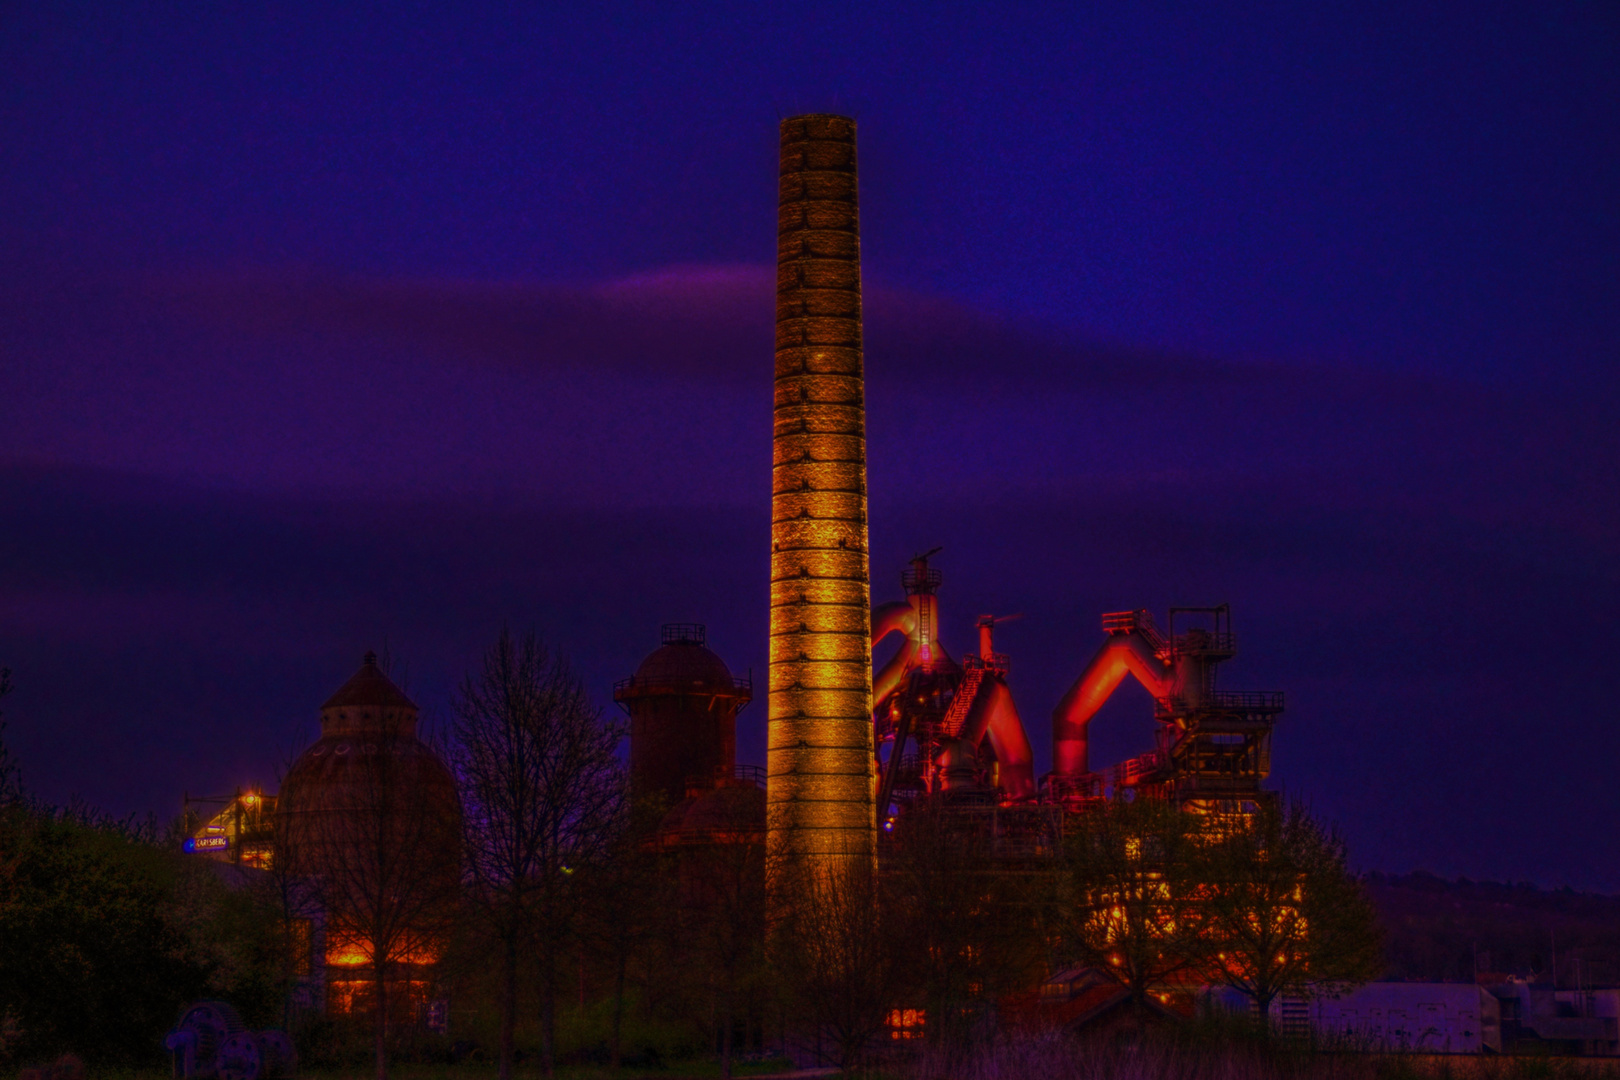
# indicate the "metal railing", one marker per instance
pixel 1086 786
pixel 754 774
pixel 999 662
pixel 1132 770
pixel 1203 642
pixel 740 685
pixel 1248 700
pixel 684 633
pixel 914 580
pixel 1140 620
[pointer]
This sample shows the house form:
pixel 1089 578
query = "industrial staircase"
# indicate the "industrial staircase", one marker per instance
pixel 1120 623
pixel 956 715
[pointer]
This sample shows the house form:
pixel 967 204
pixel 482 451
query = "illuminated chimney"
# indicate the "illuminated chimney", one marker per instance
pixel 820 789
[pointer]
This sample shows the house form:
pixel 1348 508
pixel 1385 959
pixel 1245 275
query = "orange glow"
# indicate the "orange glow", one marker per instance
pixel 345 997
pixel 820 788
pixel 905 1023
pixel 354 951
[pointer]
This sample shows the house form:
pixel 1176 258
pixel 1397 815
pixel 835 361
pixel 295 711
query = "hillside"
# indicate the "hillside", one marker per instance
pixel 1435 926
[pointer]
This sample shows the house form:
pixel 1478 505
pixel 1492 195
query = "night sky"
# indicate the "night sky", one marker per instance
pixel 324 327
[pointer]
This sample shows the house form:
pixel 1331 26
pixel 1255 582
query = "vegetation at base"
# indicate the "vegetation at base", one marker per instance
pixel 580 949
pixel 476 1070
pixel 1222 1051
pixel 106 930
pixel 1444 931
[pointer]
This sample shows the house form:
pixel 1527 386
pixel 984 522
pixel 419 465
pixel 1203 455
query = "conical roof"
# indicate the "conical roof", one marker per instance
pixel 369 688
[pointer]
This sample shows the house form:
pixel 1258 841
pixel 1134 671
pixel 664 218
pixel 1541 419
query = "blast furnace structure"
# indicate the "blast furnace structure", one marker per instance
pixel 820 760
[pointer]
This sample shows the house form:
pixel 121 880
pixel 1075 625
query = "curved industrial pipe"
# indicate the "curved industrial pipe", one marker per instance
pixel 901 616
pixel 1125 654
pixel 895 615
pixel 994 715
pixel 886 619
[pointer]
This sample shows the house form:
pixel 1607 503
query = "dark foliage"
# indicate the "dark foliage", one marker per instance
pixel 1436 929
pixel 1131 895
pixel 105 934
pixel 1287 912
pixel 970 930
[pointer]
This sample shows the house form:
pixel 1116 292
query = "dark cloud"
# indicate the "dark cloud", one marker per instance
pixel 710 322
pixel 1439 677
pixel 217 498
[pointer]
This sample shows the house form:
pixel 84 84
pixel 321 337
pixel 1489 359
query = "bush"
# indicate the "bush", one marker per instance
pixel 105 934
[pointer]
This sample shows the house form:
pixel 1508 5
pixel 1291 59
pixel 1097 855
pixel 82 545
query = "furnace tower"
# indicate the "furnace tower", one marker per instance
pixel 820 788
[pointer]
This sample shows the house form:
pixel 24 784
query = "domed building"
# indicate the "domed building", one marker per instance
pixel 369 818
pixel 683 703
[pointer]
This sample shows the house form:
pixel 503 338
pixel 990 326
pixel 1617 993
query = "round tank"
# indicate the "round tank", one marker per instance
pixel 683 703
pixel 368 778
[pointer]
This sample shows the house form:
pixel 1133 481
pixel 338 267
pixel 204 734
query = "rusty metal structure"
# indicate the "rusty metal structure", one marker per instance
pixel 958 715
pixel 1213 746
pixel 848 749
pixel 948 730
pixel 820 766
pixel 683 703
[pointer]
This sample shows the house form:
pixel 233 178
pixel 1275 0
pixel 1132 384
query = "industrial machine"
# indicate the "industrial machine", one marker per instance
pixel 959 716
pixel 947 727
pixel 1212 747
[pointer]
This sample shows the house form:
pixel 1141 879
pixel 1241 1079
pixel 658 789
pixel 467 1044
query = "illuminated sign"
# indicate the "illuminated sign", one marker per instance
pixel 208 843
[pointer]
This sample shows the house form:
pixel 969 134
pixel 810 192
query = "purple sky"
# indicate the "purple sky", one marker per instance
pixel 323 327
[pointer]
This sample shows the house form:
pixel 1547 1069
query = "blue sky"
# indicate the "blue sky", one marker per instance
pixel 319 327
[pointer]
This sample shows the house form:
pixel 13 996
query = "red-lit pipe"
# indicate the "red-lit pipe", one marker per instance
pixel 887 619
pixel 1125 654
pixel 994 715
pixel 901 615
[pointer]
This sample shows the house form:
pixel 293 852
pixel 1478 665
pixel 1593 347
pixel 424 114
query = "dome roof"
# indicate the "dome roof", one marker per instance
pixel 335 761
pixel 368 756
pixel 344 789
pixel 689 664
pixel 369 687
pixel 682 664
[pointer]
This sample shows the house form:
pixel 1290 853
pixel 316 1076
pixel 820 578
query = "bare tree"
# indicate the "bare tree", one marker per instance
pixel 376 846
pixel 1286 911
pixel 630 906
pixel 722 923
pixel 541 782
pixel 837 951
pixel 289 900
pixel 972 925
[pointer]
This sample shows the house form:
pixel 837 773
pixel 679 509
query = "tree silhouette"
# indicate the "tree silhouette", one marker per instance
pixel 836 949
pixel 1284 909
pixel 541 782
pixel 971 926
pixel 1131 901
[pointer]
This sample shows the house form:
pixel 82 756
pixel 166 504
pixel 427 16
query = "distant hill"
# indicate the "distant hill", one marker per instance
pixel 1434 928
